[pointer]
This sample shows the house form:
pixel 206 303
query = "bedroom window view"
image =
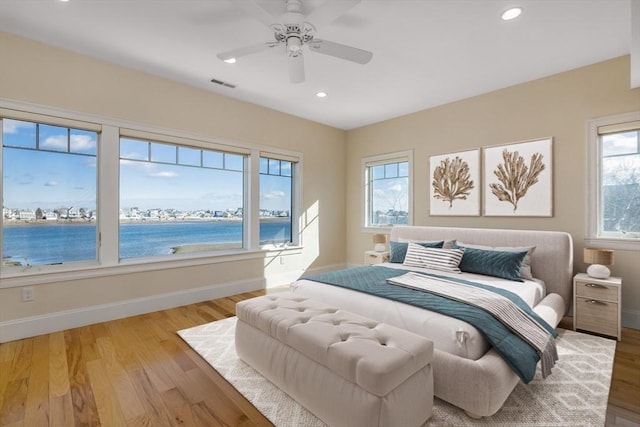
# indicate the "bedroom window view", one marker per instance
pixel 176 199
pixel 387 194
pixel 620 184
pixel 276 185
pixel 49 194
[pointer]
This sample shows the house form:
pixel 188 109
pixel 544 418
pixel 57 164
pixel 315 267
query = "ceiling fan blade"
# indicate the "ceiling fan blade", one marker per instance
pixel 244 51
pixel 256 11
pixel 341 51
pixel 296 68
pixel 330 10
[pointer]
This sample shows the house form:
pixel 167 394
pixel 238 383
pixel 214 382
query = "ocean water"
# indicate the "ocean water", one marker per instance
pixel 58 243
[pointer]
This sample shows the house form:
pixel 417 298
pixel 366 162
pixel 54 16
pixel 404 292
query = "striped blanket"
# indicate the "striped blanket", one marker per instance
pixel 500 307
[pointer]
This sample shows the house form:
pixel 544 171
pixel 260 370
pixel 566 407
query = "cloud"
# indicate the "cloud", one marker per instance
pixel 82 143
pixel 78 143
pixel 14 126
pixel 51 184
pixel 273 195
pixel 163 174
pixel 396 187
pixel 57 142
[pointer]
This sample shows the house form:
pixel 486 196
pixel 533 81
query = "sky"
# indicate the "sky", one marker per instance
pixel 51 179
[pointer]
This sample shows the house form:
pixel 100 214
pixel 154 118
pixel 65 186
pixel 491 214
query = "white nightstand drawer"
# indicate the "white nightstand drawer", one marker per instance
pixel 596 291
pixel 597 316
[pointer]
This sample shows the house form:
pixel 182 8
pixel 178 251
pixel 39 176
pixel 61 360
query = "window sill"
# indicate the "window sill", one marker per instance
pixel 612 243
pixel 38 275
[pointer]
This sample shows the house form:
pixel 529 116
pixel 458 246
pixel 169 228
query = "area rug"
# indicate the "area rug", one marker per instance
pixel 574 395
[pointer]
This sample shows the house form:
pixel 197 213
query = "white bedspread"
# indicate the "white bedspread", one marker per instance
pixel 448 334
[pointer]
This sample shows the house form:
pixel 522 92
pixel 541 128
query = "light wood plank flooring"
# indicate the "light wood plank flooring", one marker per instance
pixel 138 371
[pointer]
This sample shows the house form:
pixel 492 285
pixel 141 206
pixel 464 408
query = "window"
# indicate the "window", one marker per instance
pixel 49 194
pixel 387 189
pixel 179 199
pixel 614 164
pixel 85 197
pixel 276 202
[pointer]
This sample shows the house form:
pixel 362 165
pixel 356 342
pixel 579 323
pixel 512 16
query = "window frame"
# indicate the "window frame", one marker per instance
pixel 176 144
pixel 107 203
pixel 594 184
pixel 69 124
pixel 294 196
pixel 382 159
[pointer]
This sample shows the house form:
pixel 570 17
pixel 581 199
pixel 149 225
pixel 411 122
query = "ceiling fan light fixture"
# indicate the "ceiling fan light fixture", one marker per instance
pixel 230 60
pixel 511 13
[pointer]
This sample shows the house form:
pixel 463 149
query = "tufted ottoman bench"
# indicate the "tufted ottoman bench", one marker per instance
pixel 346 369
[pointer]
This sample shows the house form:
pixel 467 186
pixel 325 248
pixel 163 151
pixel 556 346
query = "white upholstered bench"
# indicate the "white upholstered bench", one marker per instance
pixel 346 369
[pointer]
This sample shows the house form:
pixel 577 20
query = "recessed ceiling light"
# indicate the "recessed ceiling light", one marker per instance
pixel 512 13
pixel 230 60
pixel 321 94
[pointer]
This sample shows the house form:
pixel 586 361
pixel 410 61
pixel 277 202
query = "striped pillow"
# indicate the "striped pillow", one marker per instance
pixel 436 259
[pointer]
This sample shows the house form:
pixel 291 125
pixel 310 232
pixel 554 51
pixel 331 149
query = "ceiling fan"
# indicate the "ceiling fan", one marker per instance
pixel 295 30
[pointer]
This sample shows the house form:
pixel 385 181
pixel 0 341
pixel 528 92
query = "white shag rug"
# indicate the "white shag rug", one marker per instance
pixel 574 395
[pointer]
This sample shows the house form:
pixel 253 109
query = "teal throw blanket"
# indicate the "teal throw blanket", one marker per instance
pixel 519 355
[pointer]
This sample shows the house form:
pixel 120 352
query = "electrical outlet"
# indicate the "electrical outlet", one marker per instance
pixel 281 260
pixel 28 294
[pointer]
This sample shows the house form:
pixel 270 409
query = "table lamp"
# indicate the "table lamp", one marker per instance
pixel 599 259
pixel 380 242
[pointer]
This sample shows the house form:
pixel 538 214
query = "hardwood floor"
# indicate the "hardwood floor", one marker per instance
pixel 137 371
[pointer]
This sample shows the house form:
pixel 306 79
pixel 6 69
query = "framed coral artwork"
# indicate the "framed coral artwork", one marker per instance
pixel 455 184
pixel 518 179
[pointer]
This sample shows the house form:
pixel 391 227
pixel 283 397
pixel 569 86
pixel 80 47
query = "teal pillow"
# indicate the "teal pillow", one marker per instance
pixel 493 263
pixel 398 250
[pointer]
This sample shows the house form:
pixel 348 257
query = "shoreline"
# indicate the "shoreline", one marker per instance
pixel 25 223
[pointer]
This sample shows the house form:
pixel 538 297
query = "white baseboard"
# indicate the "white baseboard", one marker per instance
pixel 44 324
pixel 59 321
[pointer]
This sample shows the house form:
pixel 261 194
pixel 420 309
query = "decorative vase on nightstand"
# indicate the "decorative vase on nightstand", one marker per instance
pixel 380 242
pixel 598 271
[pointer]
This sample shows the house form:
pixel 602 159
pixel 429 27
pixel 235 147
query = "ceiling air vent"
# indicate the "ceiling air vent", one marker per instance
pixel 221 83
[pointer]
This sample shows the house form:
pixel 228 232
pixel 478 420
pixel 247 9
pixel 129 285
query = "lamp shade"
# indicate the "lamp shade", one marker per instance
pixel 379 238
pixel 598 256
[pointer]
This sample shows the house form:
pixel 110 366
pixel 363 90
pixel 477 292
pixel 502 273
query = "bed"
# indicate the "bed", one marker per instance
pixel 468 372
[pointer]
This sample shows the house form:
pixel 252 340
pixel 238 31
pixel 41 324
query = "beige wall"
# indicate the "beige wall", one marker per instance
pixel 36 73
pixel 557 106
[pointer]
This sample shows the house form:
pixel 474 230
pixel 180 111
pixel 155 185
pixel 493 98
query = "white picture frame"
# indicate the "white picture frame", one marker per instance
pixel 455 184
pixel 518 179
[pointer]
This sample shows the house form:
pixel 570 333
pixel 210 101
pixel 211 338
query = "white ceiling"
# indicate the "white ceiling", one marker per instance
pixel 425 52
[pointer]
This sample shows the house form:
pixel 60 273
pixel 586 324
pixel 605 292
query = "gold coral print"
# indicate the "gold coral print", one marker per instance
pixel 515 176
pixel 451 180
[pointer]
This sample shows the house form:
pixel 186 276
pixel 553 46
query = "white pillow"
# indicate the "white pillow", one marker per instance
pixel 525 267
pixel 434 258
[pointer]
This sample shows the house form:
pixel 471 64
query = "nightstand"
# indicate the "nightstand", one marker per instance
pixel 597 304
pixel 373 257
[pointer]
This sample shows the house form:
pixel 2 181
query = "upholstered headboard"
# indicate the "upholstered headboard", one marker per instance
pixel 551 261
